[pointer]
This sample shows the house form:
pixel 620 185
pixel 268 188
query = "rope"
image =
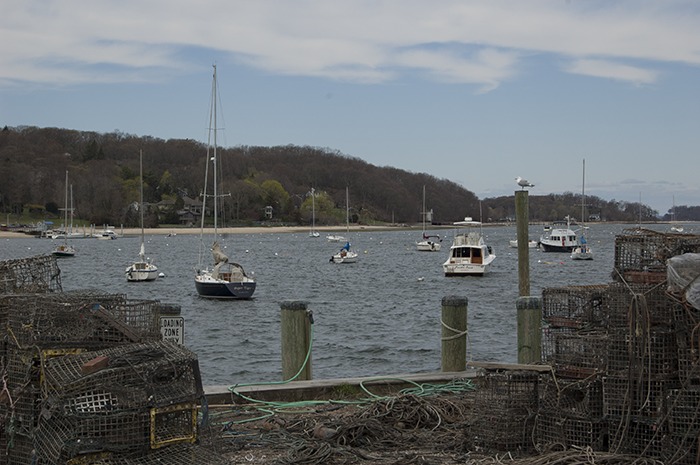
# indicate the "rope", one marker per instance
pixel 457 334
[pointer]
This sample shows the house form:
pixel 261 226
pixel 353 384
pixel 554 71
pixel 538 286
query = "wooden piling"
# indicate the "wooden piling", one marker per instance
pixel 523 222
pixel 295 326
pixel 529 330
pixel 454 333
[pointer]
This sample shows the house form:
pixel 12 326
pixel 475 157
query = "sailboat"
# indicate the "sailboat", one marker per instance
pixel 313 232
pixel 225 279
pixel 582 251
pixel 142 269
pixel 676 227
pixel 65 249
pixel 345 255
pixel 426 244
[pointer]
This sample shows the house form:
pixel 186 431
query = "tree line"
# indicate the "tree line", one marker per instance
pixel 104 173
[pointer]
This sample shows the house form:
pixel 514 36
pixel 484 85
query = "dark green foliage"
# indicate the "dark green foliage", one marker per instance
pixel 103 167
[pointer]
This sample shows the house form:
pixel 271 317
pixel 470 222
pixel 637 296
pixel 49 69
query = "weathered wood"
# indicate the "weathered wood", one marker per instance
pixel 496 366
pixel 454 333
pixel 523 222
pixel 327 388
pixel 296 339
pixel 529 329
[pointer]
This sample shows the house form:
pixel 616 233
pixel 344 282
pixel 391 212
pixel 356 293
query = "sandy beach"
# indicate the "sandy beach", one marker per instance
pixel 241 230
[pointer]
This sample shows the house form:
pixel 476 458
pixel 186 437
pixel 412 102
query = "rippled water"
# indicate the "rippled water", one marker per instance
pixel 375 317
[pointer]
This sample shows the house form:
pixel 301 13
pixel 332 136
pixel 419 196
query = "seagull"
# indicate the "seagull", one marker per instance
pixel 523 183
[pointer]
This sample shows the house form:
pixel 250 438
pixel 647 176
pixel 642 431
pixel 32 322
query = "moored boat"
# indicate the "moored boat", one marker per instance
pixel 142 269
pixel 65 249
pixel 225 280
pixel 469 254
pixel 582 251
pixel 428 242
pixel 345 255
pixel 559 237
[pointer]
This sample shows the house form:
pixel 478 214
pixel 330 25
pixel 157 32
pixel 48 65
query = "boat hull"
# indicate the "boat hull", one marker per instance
pixel 136 274
pixel 465 269
pixel 64 250
pixel 212 289
pixel 349 257
pixel 556 248
pixel 428 246
pixel 581 254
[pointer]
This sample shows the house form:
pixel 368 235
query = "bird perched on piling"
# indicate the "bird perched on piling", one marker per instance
pixel 523 183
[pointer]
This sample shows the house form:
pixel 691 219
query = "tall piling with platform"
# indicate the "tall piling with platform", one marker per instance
pixel 454 333
pixel 529 308
pixel 523 222
pixel 296 323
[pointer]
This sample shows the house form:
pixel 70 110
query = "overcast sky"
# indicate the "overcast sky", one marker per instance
pixel 477 92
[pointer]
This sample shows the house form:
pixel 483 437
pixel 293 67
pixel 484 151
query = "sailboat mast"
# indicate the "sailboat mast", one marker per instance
pixel 583 192
pixel 65 213
pixel 423 212
pixel 347 210
pixel 216 209
pixel 141 194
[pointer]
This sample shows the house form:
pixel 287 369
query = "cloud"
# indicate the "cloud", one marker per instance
pixel 480 43
pixel 612 70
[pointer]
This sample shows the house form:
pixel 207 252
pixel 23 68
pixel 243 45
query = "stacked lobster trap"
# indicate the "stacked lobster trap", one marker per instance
pixel 624 355
pixel 87 378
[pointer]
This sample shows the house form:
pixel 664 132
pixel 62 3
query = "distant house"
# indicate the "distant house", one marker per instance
pixel 191 212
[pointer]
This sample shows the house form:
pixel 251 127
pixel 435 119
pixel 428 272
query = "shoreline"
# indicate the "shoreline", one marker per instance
pixel 135 232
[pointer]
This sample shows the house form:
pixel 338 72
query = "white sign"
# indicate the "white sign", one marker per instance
pixel 172 328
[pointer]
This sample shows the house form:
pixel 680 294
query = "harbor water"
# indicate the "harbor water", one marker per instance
pixel 379 316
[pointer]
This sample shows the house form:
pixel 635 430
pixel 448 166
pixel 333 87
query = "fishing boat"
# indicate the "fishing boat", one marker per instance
pixel 428 242
pixel 469 254
pixel 345 255
pixel 313 232
pixel 559 237
pixel 142 269
pixel 582 251
pixel 225 279
pixel 65 249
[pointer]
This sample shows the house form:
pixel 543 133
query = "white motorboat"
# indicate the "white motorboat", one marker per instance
pixel 582 251
pixel 225 280
pixel 345 255
pixel 106 234
pixel 469 254
pixel 559 237
pixel 65 249
pixel 428 242
pixel 142 269
pixel 335 238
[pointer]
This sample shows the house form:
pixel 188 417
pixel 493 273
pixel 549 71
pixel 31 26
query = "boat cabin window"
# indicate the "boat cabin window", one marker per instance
pixel 462 252
pixel 555 238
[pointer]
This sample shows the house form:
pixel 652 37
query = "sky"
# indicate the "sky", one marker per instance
pixel 476 92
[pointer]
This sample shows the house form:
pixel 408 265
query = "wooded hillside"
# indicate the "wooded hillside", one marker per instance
pixel 104 171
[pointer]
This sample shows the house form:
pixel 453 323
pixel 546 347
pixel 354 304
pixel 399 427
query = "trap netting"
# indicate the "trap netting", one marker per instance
pixel 30 275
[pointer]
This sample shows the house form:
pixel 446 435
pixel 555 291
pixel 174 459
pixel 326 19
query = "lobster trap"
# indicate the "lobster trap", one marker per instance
pixel 641 254
pixel 504 407
pixel 576 307
pixel 33 275
pixel 575 353
pixel 76 320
